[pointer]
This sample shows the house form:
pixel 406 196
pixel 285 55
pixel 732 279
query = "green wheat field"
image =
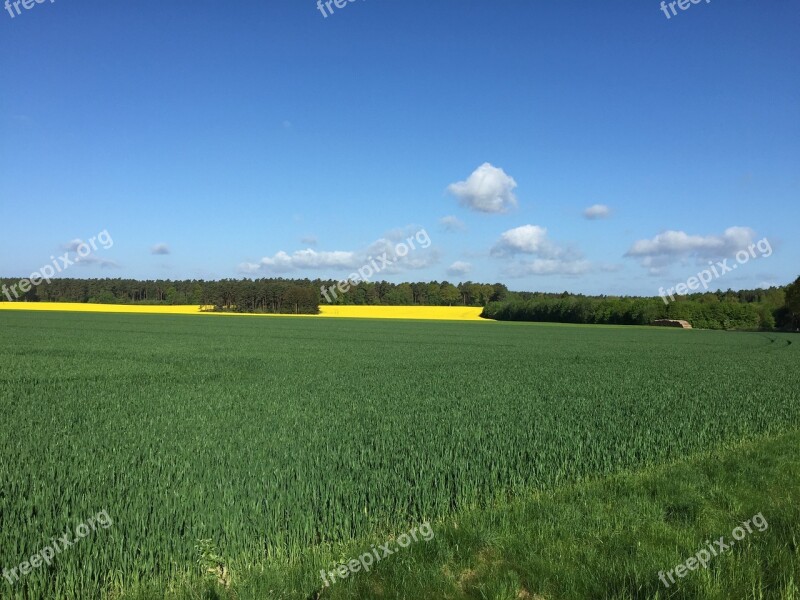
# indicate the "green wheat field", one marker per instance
pixel 238 457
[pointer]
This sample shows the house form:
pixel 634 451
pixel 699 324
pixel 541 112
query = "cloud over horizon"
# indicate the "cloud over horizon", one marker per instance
pixel 549 258
pixel 90 259
pixel 390 246
pixel 674 247
pixel 459 268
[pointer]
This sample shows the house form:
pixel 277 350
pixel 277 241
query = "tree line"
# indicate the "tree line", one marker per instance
pixel 775 307
pixel 265 295
pixel 745 309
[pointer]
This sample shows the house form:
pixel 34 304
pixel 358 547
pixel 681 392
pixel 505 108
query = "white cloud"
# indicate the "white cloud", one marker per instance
pixel 681 243
pixel 451 223
pixel 670 247
pixel 459 268
pixel 282 262
pixel 418 257
pixel 488 189
pixel 597 211
pixel 549 257
pixel 527 239
pixel 159 249
pixel 549 266
pixel 421 257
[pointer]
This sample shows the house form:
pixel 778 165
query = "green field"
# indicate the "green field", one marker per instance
pixel 286 440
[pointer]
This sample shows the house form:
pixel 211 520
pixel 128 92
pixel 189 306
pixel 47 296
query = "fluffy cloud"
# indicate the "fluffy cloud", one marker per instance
pixel 389 247
pixel 451 223
pixel 549 258
pixel 159 249
pixel 530 239
pixel 670 247
pixel 282 262
pixel 549 266
pixel 597 211
pixel 459 268
pixel 424 256
pixel 488 189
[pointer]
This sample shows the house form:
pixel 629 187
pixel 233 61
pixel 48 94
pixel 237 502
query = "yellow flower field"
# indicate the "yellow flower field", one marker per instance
pixel 438 313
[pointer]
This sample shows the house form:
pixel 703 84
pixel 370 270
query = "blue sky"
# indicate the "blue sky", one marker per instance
pixel 260 138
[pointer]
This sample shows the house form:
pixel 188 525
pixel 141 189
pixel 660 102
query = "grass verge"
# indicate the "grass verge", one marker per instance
pixel 607 538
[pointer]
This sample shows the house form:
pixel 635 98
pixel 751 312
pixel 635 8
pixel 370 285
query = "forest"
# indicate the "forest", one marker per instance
pixel 774 307
pixel 765 309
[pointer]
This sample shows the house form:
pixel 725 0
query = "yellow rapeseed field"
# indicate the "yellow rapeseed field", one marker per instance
pixel 106 308
pixel 438 313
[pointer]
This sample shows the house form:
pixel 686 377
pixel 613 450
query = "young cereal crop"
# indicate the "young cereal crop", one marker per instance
pixel 269 436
